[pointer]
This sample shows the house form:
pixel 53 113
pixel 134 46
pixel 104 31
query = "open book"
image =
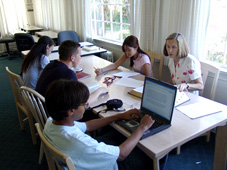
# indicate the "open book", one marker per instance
pixel 181 97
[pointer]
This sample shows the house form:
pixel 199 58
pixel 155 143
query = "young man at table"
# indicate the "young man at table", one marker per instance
pixel 69 55
pixel 66 101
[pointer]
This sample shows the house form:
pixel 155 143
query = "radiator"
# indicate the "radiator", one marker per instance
pixel 107 56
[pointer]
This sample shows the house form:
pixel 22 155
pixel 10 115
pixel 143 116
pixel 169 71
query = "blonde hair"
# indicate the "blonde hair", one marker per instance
pixel 183 49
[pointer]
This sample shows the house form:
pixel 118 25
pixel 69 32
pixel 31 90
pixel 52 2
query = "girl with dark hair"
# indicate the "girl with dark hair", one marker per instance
pixel 35 61
pixel 139 60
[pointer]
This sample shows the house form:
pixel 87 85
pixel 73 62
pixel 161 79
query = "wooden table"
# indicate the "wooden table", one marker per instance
pixel 183 128
pixel 31 29
pixel 53 35
pixel 55 56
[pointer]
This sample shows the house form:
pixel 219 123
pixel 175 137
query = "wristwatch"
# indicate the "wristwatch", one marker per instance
pixel 187 85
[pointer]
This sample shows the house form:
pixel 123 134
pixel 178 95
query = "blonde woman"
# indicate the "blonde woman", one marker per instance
pixel 184 68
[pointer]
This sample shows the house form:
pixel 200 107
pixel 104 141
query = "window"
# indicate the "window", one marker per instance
pixel 217 33
pixel 110 19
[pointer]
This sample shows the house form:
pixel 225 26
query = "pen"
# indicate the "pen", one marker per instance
pixel 105 73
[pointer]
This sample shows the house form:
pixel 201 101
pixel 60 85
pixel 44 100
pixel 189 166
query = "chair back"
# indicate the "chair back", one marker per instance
pixel 16 82
pixel 24 41
pixel 55 158
pixel 210 75
pixel 35 103
pixel 67 35
pixel 155 56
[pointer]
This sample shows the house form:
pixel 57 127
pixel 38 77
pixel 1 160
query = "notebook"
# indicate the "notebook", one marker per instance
pixel 158 100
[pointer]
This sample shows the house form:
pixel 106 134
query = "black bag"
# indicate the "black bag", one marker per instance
pixel 112 104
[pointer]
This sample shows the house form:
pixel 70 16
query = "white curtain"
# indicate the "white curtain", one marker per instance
pixel 160 18
pixel 60 15
pixel 12 15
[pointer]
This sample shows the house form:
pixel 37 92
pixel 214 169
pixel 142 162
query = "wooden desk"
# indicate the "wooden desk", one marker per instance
pixel 31 29
pixel 6 41
pixel 183 128
pixel 51 34
pixel 55 56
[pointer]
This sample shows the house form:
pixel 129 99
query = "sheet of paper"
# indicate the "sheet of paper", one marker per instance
pixel 126 74
pixel 129 82
pixel 200 109
pixel 93 86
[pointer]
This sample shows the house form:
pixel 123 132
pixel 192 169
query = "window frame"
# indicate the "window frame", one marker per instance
pixel 95 21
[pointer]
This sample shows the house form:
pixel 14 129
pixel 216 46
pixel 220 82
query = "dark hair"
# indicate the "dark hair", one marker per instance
pixel 68 48
pixel 37 50
pixel 63 95
pixel 183 49
pixel 132 41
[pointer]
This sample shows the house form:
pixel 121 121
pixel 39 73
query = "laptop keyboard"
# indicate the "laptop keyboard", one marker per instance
pixel 135 122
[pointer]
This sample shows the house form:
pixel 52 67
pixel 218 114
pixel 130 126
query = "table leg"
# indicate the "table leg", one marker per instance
pixel 156 164
pixel 7 48
pixel 220 153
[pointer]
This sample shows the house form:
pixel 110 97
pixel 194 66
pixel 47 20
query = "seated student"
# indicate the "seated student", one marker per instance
pixel 69 55
pixel 36 60
pixel 66 101
pixel 139 60
pixel 184 68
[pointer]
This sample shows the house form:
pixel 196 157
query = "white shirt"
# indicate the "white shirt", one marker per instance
pixel 140 61
pixel 85 152
pixel 33 72
pixel 187 70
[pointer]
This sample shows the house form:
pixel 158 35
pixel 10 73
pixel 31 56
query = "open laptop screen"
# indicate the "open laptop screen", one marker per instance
pixel 158 98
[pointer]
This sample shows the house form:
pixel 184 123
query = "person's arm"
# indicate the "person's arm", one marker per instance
pixel 197 85
pixel 99 123
pixel 127 146
pixel 113 66
pixel 147 70
pixel 170 81
pixel 94 96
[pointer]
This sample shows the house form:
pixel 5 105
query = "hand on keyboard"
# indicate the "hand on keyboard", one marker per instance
pixel 130 114
pixel 146 122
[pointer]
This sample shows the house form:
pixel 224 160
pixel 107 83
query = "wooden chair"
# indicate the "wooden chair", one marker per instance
pixel 155 56
pixel 16 83
pixel 55 158
pixel 209 87
pixel 34 103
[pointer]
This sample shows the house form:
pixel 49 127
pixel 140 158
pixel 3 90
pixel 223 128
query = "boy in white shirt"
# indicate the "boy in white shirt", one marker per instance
pixel 66 102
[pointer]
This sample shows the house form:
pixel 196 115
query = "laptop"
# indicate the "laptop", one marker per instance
pixel 158 100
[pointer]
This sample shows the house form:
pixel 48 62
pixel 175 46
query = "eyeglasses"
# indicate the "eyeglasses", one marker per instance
pixel 109 80
pixel 86 105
